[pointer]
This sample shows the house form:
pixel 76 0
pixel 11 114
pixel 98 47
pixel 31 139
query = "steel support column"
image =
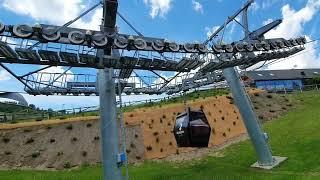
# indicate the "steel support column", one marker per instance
pixel 258 138
pixel 249 118
pixel 107 95
pixel 109 127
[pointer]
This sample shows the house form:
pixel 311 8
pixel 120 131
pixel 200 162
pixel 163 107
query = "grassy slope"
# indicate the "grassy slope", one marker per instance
pixel 295 135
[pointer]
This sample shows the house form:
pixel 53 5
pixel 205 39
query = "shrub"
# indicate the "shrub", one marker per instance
pixel 67 165
pixel 164 116
pixel 161 150
pixel 84 153
pixel 229 129
pixel 256 94
pixel 29 141
pixel 161 121
pixel 261 117
pixel 35 155
pixel 170 143
pixel 150 126
pixel 74 139
pixel 209 113
pixel 169 124
pixel 229 97
pixel 39 119
pixel 62 117
pixel 220 111
pixel 89 125
pixel 131 115
pixel 289 105
pixel 234 123
pixel 13 122
pixel 155 133
pixel 213 131
pixel 60 153
pixel 96 138
pixel 224 135
pixel 52 140
pixel 222 118
pixel 132 145
pixel 142 121
pixel 165 132
pixel 177 151
pixel 284 108
pixel 157 140
pixel 237 117
pixel 69 127
pixel 138 157
pixel 269 96
pixel 7 153
pixel 269 105
pixel 136 136
pixel 256 107
pixel 272 111
pixel 152 120
pixel 149 148
pixel 27 130
pixel 128 151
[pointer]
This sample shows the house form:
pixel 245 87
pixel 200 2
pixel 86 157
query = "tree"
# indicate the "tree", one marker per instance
pixel 32 106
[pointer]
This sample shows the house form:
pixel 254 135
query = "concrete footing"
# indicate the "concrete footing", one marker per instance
pixel 277 160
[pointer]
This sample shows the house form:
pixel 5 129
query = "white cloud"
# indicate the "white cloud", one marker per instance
pixel 158 7
pixel 267 21
pixel 197 6
pixel 210 31
pixel 293 26
pixel 48 75
pixel 56 12
pixel 4 75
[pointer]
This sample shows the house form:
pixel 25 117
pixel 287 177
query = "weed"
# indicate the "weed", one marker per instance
pixel 67 165
pixel 149 148
pixel 69 127
pixel 35 155
pixel 29 141
pixel 84 153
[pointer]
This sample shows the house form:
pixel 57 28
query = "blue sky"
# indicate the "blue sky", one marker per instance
pixel 178 20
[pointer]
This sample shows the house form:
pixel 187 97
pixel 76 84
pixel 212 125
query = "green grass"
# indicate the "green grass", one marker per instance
pixel 295 135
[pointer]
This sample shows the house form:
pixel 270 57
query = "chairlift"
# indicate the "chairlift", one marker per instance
pixel 192 129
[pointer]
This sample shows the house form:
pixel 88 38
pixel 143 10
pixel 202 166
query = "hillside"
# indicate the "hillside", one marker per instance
pixel 52 144
pixel 295 135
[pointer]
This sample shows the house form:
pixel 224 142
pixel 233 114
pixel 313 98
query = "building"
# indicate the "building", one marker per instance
pixel 280 80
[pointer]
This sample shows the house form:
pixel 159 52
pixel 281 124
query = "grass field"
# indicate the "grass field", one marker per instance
pixel 295 135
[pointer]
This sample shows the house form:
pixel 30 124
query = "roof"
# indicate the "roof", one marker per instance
pixel 288 74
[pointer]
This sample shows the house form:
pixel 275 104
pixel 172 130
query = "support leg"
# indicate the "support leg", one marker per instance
pixel 258 138
pixel 109 128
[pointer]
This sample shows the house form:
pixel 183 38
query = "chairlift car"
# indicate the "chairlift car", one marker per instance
pixel 192 129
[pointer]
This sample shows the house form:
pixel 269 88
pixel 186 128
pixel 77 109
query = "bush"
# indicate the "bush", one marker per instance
pixel 62 117
pixel 269 96
pixel 60 153
pixel 89 125
pixel 132 145
pixel 138 157
pixel 35 155
pixel 224 135
pixel 155 133
pixel 52 140
pixel 84 153
pixel 234 123
pixel 69 127
pixel 128 151
pixel 67 165
pixel 164 116
pixel 222 118
pixel 161 121
pixel 39 119
pixel 74 139
pixel 96 138
pixel 161 150
pixel 149 148
pixel 157 140
pixel 27 130
pixel 136 136
pixel 131 115
pixel 7 153
pixel 29 141
pixel 170 143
